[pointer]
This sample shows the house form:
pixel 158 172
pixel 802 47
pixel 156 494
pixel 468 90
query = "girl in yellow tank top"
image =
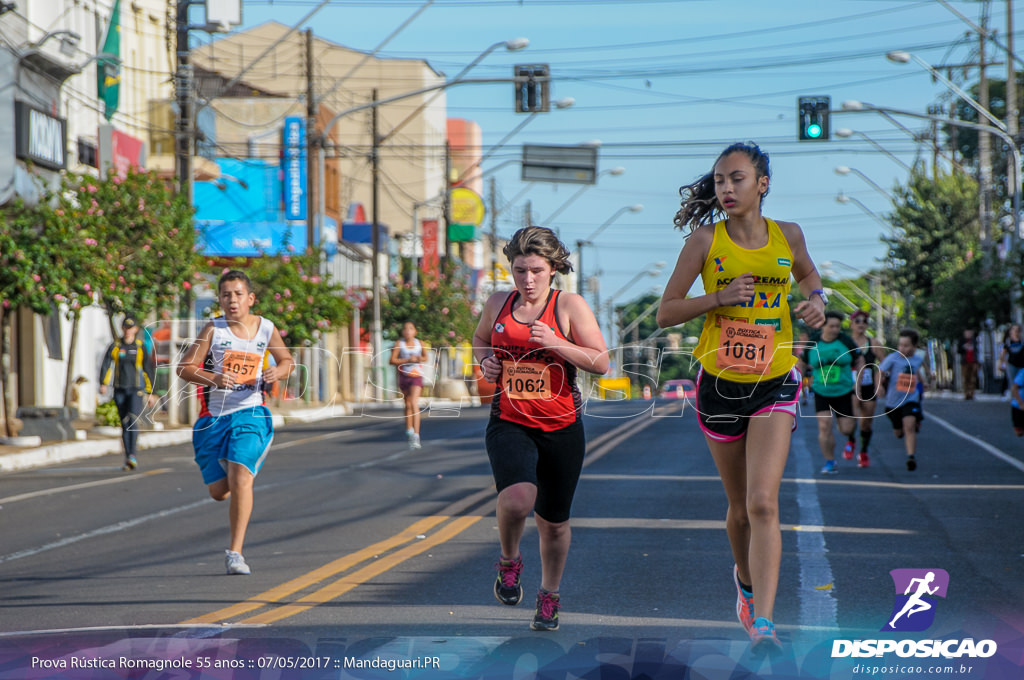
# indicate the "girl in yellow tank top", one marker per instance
pixel 745 262
pixel 750 340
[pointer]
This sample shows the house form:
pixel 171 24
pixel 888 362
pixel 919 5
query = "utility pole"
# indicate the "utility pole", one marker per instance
pixel 581 282
pixel 984 142
pixel 311 145
pixel 1012 111
pixel 184 136
pixel 447 201
pixel 184 146
pixel 376 340
pixel 935 111
pixel 494 237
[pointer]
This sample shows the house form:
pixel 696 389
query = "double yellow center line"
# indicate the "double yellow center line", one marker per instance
pixel 277 604
pixel 336 578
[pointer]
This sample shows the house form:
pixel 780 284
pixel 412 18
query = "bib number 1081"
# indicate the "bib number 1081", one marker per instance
pixel 743 350
pixel 744 347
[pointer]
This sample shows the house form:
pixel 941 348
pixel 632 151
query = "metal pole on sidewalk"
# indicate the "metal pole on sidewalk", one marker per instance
pixel 377 341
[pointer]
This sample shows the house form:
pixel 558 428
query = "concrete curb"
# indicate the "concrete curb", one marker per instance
pixel 958 396
pixel 75 450
pixel 63 452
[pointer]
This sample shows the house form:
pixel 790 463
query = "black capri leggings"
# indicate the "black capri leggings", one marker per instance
pixel 551 461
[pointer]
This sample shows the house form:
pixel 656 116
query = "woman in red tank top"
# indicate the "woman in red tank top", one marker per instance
pixel 531 342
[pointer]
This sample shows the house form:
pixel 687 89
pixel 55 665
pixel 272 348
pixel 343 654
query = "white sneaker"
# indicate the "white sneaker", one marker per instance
pixel 414 442
pixel 235 563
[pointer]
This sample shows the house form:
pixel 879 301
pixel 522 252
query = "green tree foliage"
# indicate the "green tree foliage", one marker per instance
pixel 140 235
pixel 672 364
pixel 439 306
pixel 969 298
pixel 291 292
pixel 965 141
pixel 26 259
pixel 936 260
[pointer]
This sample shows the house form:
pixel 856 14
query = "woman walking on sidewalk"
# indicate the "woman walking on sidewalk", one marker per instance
pixel 533 341
pixel 129 367
pixel 747 388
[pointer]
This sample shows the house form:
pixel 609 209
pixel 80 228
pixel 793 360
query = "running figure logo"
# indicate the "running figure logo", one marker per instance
pixel 914 609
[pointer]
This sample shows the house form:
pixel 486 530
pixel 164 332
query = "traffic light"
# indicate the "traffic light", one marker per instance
pixel 812 118
pixel 532 88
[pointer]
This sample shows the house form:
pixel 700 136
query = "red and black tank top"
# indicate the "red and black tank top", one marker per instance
pixel 537 387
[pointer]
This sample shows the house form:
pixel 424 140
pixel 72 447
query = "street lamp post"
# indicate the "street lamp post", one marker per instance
pixel 563 103
pixel 616 171
pixel 846 170
pixel 985 169
pixel 580 280
pixel 844 198
pixel 847 132
pixel 374 104
pixel 901 57
pixel 853 106
pixel 513 45
pixel 875 300
pixel 652 269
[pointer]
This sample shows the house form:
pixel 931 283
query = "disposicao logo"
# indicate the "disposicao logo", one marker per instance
pixel 916 590
pixel 914 611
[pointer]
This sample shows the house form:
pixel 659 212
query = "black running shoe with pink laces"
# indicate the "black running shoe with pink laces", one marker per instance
pixel 507 587
pixel 546 617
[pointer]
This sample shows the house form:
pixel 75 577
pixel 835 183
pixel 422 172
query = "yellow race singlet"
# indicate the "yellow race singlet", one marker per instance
pixel 750 341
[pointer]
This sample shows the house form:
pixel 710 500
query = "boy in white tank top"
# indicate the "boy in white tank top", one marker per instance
pixel 234 431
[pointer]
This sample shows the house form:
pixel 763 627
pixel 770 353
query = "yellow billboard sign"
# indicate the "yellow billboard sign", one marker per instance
pixel 466 206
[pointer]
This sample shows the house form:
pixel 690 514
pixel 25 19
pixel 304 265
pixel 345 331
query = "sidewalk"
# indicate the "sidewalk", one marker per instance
pixel 102 441
pixel 958 396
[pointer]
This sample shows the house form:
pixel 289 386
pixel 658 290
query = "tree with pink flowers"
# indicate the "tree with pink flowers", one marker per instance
pixel 140 236
pixel 291 292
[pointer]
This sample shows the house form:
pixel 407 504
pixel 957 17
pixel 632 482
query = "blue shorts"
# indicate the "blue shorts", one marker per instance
pixel 242 437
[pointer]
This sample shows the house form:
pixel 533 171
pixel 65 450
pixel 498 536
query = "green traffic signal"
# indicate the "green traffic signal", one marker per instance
pixel 812 117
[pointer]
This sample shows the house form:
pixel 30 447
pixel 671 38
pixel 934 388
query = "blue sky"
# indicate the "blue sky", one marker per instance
pixel 665 85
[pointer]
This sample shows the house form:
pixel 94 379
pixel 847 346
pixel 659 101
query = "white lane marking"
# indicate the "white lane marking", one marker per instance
pixel 109 529
pixel 1005 457
pixel 83 485
pixel 306 440
pixel 127 524
pixel 188 630
pixel 817 606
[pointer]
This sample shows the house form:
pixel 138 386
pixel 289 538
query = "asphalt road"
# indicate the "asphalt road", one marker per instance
pixel 359 546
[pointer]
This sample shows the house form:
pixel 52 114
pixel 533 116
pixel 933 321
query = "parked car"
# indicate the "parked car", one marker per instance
pixel 682 388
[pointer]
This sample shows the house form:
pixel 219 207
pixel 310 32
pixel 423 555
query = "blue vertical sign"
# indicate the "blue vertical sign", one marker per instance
pixel 293 162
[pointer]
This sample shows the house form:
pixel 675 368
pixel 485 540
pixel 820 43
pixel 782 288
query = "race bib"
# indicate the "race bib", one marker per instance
pixel 906 382
pixel 527 380
pixel 245 365
pixel 744 347
pixel 829 374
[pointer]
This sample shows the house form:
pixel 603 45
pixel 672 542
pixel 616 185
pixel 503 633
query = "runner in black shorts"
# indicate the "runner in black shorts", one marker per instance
pixel 533 341
pixel 833 360
pixel 747 388
pixel 867 380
